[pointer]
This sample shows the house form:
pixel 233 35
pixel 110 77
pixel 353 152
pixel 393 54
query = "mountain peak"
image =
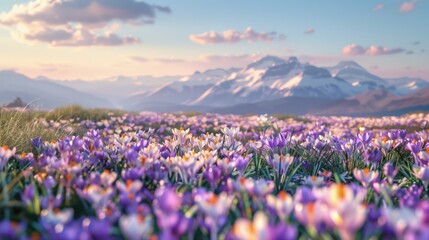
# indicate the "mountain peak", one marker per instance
pixel 293 60
pixel 9 71
pixel 267 61
pixel 11 74
pixel 349 64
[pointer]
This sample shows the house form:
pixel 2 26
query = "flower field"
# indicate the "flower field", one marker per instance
pixel 171 176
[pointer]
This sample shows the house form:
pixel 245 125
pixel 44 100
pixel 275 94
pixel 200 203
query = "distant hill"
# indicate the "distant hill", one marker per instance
pixel 43 94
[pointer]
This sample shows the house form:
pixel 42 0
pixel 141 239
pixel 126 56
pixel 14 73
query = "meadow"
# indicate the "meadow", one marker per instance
pixel 76 173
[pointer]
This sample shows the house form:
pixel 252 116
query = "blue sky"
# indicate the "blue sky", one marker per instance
pixel 390 38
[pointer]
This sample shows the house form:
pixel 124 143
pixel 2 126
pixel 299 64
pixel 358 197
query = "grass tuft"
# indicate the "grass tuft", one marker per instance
pixel 18 128
pixel 79 113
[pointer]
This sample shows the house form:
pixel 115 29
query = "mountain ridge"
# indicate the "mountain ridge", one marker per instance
pixel 345 88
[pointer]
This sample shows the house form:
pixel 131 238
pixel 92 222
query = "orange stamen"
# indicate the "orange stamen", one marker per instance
pixel 15 225
pixel 69 177
pixel 242 180
pixel 129 182
pixel 35 236
pixel 143 160
pixel 341 190
pixel 283 195
pixel 366 171
pixel 212 200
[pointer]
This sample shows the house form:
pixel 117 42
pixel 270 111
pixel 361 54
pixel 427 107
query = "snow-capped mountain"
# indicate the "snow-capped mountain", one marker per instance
pixel 280 79
pixel 359 77
pixel 269 80
pixel 266 62
pixel 407 85
pixel 183 91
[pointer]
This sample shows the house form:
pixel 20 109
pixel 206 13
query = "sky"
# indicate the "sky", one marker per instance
pixel 96 39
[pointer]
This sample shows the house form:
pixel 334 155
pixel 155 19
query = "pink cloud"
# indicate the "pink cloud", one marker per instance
pixel 378 50
pixel 170 60
pixel 378 8
pixel 75 37
pixel 234 36
pixel 230 57
pixel 373 50
pixel 309 30
pixel 353 50
pixel 77 22
pixel 138 59
pixel 407 6
pixel 80 11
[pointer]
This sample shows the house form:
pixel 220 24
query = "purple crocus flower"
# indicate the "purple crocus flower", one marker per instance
pixel 77 143
pixel 365 176
pixel 282 231
pixel 241 162
pixel 373 156
pixel 49 182
pixel 393 135
pixel 415 146
pixel 28 195
pixel 409 197
pixel 99 229
pixel 422 173
pixel 132 155
pixel 5 155
pixel 282 139
pixel 213 175
pixel 143 143
pixel 36 142
pixel 304 195
pixel 364 138
pixel 133 173
pixel 272 142
pixel 10 230
pixel 165 152
pixel 71 231
pixel 402 133
pixel 390 171
pixel 168 200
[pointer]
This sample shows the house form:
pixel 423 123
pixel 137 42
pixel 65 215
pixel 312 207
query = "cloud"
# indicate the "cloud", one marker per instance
pixel 309 30
pixel 407 6
pixel 378 8
pixel 138 59
pixel 378 50
pixel 353 50
pixel 235 36
pixel 77 22
pixel 416 43
pixel 227 57
pixel 75 37
pixel 170 60
pixel 356 50
pixel 409 52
